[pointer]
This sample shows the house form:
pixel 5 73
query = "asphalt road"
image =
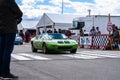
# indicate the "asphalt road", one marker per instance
pixel 86 64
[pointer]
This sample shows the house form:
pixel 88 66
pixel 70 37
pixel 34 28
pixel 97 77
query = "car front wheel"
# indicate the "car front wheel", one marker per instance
pixel 33 49
pixel 45 50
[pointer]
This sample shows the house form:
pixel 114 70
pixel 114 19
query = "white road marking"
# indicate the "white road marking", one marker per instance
pixel 102 54
pixel 83 56
pixel 18 57
pixel 94 55
pixel 34 56
pixel 78 55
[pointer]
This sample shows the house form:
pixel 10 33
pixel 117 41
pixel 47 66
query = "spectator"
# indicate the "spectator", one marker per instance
pixel 55 31
pixel 27 36
pixel 49 31
pixel 10 16
pixel 115 37
pixel 69 34
pixel 59 30
pixel 81 32
pixel 93 31
pixel 98 32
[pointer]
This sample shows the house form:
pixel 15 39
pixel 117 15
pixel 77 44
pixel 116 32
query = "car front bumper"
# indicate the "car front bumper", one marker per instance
pixel 66 47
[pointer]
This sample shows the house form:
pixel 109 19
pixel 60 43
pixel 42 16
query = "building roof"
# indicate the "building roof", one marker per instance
pixel 57 20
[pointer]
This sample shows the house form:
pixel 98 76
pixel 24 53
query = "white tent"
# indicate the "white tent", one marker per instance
pixel 62 21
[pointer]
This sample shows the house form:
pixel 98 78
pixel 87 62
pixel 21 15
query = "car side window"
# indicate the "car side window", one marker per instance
pixel 40 36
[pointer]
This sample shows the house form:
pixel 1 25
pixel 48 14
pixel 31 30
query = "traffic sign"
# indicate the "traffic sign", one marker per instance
pixel 109 26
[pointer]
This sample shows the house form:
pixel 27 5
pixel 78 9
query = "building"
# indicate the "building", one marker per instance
pixel 65 21
pixel 100 21
pixel 57 21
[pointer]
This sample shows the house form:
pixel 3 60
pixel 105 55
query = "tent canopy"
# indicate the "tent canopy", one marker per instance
pixel 62 21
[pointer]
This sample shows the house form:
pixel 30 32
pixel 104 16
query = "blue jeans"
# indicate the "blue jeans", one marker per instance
pixel 6 48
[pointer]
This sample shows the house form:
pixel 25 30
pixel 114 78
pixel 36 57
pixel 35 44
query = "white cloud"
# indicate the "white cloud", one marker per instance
pixel 32 9
pixel 59 2
pixel 31 2
pixel 107 6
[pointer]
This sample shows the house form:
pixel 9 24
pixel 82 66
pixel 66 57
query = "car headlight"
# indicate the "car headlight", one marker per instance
pixel 74 42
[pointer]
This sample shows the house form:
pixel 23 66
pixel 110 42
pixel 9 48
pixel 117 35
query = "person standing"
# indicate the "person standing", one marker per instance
pixel 98 32
pixel 115 37
pixel 81 32
pixel 81 38
pixel 27 36
pixel 69 34
pixel 93 31
pixel 10 16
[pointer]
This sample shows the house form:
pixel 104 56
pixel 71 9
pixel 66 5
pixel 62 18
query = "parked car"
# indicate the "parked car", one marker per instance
pixel 55 42
pixel 18 39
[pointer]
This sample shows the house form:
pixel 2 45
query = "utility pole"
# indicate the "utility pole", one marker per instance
pixel 62 7
pixel 89 12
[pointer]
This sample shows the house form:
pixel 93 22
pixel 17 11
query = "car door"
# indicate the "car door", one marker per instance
pixel 38 41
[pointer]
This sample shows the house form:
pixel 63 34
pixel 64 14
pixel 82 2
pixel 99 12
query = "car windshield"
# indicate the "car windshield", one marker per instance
pixel 58 36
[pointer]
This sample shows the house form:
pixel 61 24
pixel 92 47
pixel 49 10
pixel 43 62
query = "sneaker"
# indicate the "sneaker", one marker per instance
pixel 9 76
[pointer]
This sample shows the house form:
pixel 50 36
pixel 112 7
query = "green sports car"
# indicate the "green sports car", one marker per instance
pixel 53 42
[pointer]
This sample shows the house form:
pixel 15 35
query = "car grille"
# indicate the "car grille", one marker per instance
pixel 66 42
pixel 61 42
pixel 64 47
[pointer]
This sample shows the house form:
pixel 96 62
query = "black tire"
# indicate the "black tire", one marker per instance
pixel 45 50
pixel 33 49
pixel 73 51
pixel 21 43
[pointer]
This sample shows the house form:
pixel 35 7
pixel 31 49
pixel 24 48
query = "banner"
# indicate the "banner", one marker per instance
pixel 86 40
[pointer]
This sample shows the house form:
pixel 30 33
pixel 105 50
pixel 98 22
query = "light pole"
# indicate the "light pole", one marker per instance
pixel 62 7
pixel 89 12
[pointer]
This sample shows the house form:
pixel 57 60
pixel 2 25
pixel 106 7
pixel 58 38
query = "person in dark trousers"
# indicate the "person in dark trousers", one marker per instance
pixel 115 37
pixel 69 34
pixel 10 16
pixel 27 36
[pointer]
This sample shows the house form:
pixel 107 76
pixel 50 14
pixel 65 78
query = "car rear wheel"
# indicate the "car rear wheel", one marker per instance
pixel 45 50
pixel 33 49
pixel 73 51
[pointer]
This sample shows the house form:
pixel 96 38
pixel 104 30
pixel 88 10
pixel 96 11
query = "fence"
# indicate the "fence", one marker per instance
pixel 94 42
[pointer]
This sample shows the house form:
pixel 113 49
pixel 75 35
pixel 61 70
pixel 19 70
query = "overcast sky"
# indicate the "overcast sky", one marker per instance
pixel 34 9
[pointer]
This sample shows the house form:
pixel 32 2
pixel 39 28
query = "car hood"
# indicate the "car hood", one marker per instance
pixel 62 41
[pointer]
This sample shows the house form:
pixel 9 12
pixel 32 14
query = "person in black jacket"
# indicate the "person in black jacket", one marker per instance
pixel 10 16
pixel 115 37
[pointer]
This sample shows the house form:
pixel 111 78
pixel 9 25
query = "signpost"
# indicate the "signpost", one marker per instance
pixel 109 25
